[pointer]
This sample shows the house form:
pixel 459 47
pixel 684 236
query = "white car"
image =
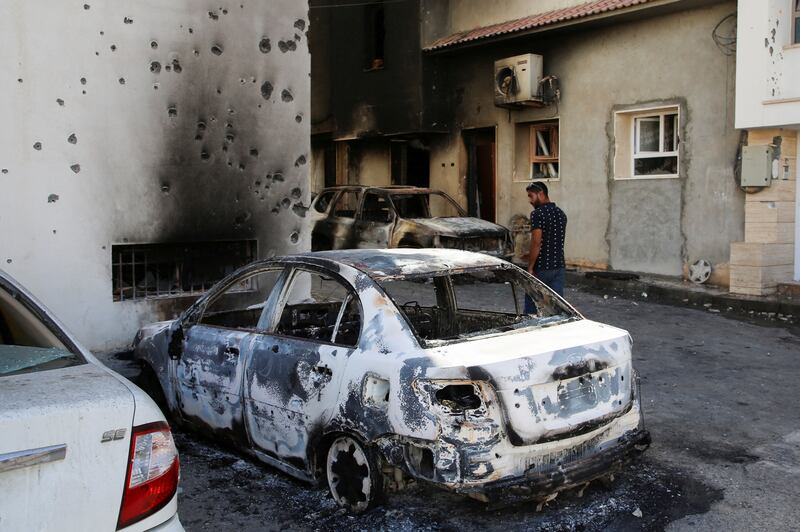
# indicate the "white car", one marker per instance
pixel 368 368
pixel 81 448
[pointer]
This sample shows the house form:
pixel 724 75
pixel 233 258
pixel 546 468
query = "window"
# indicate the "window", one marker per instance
pixel 647 143
pixel 376 209
pixel 241 305
pixel 796 22
pixel 435 205
pixel 324 200
pixel 318 307
pixel 374 37
pixel 544 151
pixel 157 270
pixel 655 145
pixel 346 205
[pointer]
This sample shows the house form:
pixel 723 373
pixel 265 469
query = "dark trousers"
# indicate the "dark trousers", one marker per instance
pixel 552 278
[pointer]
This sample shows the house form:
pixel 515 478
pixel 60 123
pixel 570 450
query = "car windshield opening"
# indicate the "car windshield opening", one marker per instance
pixel 448 307
pixel 425 205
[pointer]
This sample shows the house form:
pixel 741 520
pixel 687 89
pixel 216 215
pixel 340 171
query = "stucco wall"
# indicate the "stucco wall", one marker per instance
pixel 767 65
pixel 149 172
pixel 645 225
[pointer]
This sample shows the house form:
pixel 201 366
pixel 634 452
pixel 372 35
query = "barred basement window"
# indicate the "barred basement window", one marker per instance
pixel 171 270
pixel 544 151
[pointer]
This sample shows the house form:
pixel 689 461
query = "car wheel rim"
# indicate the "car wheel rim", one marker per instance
pixel 349 475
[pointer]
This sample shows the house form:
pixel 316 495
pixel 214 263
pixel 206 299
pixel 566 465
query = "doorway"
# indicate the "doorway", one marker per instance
pixel 481 177
pixel 411 164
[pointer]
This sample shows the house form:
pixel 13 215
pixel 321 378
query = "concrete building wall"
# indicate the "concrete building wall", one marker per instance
pixel 190 123
pixel 650 225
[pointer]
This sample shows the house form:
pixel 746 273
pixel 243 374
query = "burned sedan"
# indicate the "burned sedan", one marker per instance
pixel 360 217
pixel 367 369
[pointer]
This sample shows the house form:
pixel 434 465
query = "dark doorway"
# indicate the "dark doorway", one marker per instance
pixel 410 164
pixel 481 177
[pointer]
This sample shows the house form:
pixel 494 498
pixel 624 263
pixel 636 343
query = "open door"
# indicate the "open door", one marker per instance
pixel 481 177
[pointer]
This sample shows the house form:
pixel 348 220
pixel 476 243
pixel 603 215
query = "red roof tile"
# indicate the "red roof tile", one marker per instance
pixel 534 21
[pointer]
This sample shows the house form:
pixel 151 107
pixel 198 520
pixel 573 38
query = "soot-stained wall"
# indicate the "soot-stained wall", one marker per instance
pixel 146 122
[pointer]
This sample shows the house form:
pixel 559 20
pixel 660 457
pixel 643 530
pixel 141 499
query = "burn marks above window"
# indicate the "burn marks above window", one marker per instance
pixel 172 270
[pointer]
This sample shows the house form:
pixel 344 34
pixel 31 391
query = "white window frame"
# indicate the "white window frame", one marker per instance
pixel 628 122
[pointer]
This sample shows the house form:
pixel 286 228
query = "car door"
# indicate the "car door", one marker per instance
pixel 342 218
pixel 209 369
pixel 375 221
pixel 295 370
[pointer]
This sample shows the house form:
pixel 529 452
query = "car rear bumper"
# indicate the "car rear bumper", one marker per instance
pixel 535 484
pixel 171 525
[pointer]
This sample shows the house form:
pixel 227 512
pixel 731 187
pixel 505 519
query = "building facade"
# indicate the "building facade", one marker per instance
pixel 768 111
pixel 635 136
pixel 149 149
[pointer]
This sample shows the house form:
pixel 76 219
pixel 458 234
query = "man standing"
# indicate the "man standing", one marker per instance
pixel 548 227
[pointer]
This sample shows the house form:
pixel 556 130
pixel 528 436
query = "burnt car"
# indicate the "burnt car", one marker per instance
pixel 371 368
pixel 361 217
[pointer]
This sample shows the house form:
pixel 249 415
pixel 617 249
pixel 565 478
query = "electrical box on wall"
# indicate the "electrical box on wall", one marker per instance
pixel 516 80
pixel 757 165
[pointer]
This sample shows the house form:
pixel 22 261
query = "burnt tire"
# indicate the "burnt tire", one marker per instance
pixel 354 477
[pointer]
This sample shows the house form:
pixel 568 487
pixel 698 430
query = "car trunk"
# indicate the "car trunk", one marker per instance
pixel 553 382
pixel 75 480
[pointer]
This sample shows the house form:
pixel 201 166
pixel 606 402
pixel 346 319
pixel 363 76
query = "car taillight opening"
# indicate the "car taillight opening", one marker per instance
pixel 153 470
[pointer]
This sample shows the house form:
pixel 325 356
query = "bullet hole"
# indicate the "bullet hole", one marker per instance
pixel 216 49
pixel 52 198
pixel 253 152
pixel 286 95
pixel 8 261
pixel 242 81
pixel 298 118
pixel 176 66
pixel 252 79
pixel 294 237
pixel 201 126
pixel 155 86
pixel 265 46
pixel 191 30
pixel 286 203
pixel 19 80
pixel 113 47
pixel 165 188
pixel 37 146
pixel 276 210
pixel 300 24
pixel 219 91
pixel 198 137
pixel 54 231
pixel 225 149
pixel 83 92
pixel 212 118
pixel 297 192
pixel 241 218
pixel 278 177
pixel 766 42
pixel 297 37
pixel 242 167
pixel 286 46
pixel 257 183
pixel 75 168
pixel 97 53
pixel 300 160
pixel 168 68
pixel 196 53
pixel 172 111
pixel 213 16
pixel 770 50
pixel 266 90
pixel 86 7
pixel 155 67
pixel 259 106
pixel 224 11
pixel 154 44
pixel 60 102
pixel 72 139
pixel 228 125
pixel 122 81
pixel 204 155
pixel 299 209
pixel 102 32
pixel 83 81
pixel 127 20
pixel 229 138
pixel 4 170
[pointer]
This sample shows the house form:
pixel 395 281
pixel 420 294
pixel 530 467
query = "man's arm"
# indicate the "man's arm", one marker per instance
pixel 536 247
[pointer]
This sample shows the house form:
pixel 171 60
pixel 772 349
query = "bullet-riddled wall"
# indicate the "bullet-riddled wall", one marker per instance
pixel 147 123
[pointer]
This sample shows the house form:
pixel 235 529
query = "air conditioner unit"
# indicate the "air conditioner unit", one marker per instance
pixel 516 80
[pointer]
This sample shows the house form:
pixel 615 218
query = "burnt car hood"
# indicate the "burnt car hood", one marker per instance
pixel 550 380
pixel 461 227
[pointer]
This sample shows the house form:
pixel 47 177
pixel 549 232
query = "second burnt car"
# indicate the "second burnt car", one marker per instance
pixel 367 368
pixel 357 216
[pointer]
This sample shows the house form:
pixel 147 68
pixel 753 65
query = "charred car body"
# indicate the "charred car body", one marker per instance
pixel 353 217
pixel 370 368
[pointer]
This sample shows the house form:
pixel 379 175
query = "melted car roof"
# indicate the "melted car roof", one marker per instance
pixel 393 262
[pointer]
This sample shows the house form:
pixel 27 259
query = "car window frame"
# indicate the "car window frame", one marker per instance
pixel 334 196
pixel 383 195
pixel 280 303
pixel 235 277
pixel 359 199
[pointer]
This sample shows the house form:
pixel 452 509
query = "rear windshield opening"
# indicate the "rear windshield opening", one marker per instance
pixel 451 307
pixel 26 344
